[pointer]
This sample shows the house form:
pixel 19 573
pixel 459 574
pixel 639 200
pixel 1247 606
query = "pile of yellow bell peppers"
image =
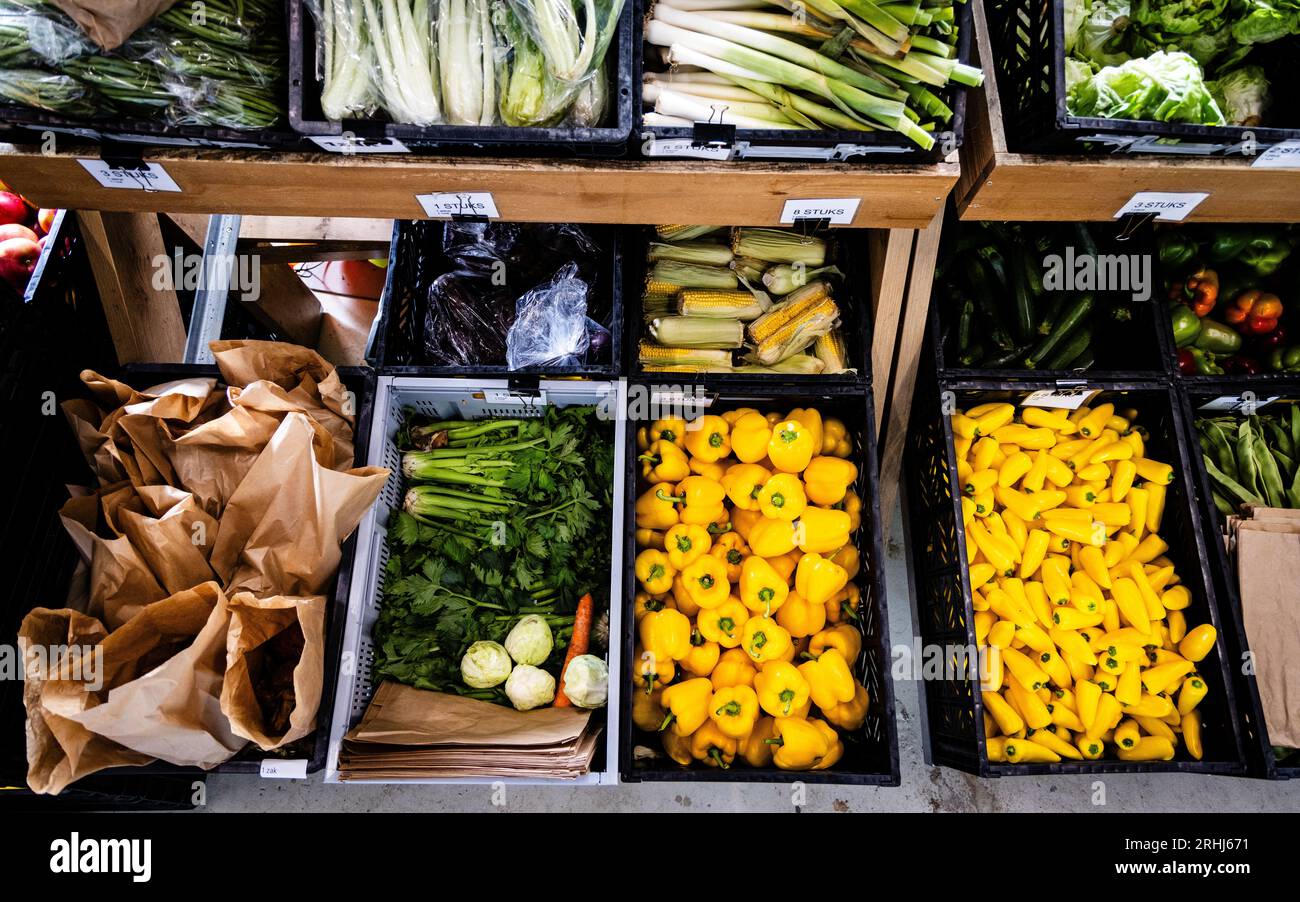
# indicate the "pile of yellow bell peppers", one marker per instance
pixel 746 609
pixel 1086 652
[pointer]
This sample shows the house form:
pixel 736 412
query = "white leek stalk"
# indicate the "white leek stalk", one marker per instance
pixel 349 61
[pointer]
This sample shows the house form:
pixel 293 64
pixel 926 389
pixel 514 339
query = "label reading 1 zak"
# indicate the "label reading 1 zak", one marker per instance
pixel 1060 398
pixel 1168 206
pixel 835 210
pixel 289 769
pixel 460 203
pixel 1280 156
pixel 150 177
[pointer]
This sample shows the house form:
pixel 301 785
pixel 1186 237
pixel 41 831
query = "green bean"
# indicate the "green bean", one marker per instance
pixel 1230 485
pixel 1268 472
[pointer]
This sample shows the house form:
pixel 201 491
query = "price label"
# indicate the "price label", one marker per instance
pixel 1280 156
pixel 348 144
pixel 835 210
pixel 1168 206
pixel 1060 398
pixel 288 769
pixel 460 203
pixel 683 148
pixel 1247 402
pixel 149 177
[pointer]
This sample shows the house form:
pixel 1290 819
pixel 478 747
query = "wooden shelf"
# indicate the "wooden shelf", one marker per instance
pixel 363 185
pixel 996 184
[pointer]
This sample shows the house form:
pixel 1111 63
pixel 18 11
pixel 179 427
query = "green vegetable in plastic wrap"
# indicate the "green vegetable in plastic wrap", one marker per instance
pixel 1242 95
pixel 1166 87
pixel 1178 17
pixel 1101 36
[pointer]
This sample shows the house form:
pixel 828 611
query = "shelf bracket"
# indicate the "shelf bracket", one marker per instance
pixel 214 287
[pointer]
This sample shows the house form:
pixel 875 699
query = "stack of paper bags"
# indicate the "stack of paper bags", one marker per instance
pixel 409 733
pixel 1267 543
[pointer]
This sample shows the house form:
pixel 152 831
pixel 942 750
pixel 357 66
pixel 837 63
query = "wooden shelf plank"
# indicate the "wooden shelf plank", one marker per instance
pixel 598 191
pixel 996 184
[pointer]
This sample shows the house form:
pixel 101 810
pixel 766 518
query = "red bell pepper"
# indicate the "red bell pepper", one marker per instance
pixel 1255 312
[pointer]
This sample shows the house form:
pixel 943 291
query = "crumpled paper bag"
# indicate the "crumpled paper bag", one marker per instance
pixel 1268 573
pixel 283 531
pixel 110 22
pixel 275 667
pixel 173 535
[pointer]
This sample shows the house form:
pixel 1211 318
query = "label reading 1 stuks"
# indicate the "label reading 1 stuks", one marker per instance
pixel 459 203
pixel 835 210
pixel 288 769
pixel 149 177
pixel 348 144
pixel 1168 206
pixel 1060 398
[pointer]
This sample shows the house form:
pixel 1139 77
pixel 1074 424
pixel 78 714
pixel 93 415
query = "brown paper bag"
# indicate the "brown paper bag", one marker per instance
pixel 163 673
pixel 174 536
pixel 110 22
pixel 275 667
pixel 121 582
pixel 283 530
pixel 1268 568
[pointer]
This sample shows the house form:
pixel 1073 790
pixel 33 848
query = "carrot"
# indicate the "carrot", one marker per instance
pixel 577 645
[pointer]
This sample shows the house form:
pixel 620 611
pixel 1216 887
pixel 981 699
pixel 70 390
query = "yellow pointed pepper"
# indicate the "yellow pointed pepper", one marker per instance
pixel 749 437
pixel 1191 724
pixel 827 479
pixel 655 571
pixel 1191 693
pixel 735 710
pixel 782 497
pixel 763 639
pixel 706 582
pixel 791 446
pixel 1148 748
pixel 708 438
pixel 1198 642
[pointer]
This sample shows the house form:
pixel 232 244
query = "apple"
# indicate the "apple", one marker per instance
pixel 18 258
pixel 12 208
pixel 45 219
pixel 14 230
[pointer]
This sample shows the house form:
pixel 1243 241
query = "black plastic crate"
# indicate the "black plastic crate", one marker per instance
pixel 1139 348
pixel 124 138
pixel 608 140
pixel 1223 567
pixel 941 585
pixel 871 755
pixel 1028 38
pixel 826 145
pixel 396 335
pixel 848 250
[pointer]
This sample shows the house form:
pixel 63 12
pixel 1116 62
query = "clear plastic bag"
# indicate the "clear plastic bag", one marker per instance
pixel 38 36
pixel 551 324
pixel 44 91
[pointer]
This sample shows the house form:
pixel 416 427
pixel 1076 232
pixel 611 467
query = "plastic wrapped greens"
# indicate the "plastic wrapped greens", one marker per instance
pixel 46 91
pixel 28 38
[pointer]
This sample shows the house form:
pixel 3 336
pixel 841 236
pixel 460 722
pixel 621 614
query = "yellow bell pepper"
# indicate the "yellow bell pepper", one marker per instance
pixel 643 439
pixel 743 521
pixel 762 589
pixel 844 638
pixel 801 617
pixel 830 679
pixel 799 743
pixel 835 747
pixel 849 558
pixel 733 416
pixel 708 438
pixel 650 538
pixel 682 599
pixel 645 603
pixel 782 497
pixel 678 748
pixel 851 504
pixel 703 656
pixel 652 671
pixel 723 624
pixel 714 747
pixel 705 580
pixel 770 538
pixel 791 447
pixel 742 483
pixel 811 419
pixel 782 689
pixel 666 634
pixel 763 639
pixel 656 507
pixel 714 470
pixel 844 604
pixel 664 462
pixel 670 429
pixel 818 579
pixel 655 571
pixel 687 704
pixel 785 564
pixel 835 438
pixel 734 668
pixel 821 531
pixel 827 479
pixel 735 710
pixel 647 712
pixel 1198 642
pixel 850 715
pixel 701 500
pixel 686 542
pixel 749 437
pixel 755 749
pixel 731 549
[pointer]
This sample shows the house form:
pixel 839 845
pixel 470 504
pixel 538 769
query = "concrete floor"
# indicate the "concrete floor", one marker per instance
pixel 924 788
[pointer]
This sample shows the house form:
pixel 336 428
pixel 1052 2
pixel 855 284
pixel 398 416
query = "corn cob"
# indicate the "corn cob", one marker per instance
pixel 793 306
pixel 786 277
pixel 655 357
pixel 797 333
pixel 691 275
pixel 709 253
pixel 698 332
pixel 830 350
pixel 674 368
pixel 778 246
pixel 683 232
pixel 741 305
pixel 748 269
pixel 794 365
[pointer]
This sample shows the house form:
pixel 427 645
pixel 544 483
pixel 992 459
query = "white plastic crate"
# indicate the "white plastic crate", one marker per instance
pixel 447 398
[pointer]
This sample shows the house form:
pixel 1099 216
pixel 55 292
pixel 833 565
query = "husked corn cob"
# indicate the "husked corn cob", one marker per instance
pixel 797 333
pixel 683 232
pixel 698 332
pixel 794 365
pixel 778 246
pixel 711 368
pixel 798 302
pixel 709 253
pixel 692 275
pixel 741 305
pixel 658 358
pixel 830 350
